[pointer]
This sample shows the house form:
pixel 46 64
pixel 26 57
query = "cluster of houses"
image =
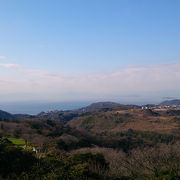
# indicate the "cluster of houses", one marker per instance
pixel 152 106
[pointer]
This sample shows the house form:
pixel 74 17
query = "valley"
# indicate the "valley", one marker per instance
pixel 105 128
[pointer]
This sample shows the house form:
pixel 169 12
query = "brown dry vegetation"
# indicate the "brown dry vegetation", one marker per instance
pixel 142 164
pixel 137 144
pixel 120 121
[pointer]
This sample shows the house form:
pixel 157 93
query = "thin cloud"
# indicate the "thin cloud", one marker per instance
pixel 9 65
pixel 157 80
pixel 2 57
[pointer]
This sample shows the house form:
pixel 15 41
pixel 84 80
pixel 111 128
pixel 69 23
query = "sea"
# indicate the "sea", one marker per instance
pixel 34 108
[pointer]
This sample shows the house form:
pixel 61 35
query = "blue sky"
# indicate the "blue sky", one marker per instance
pixel 83 40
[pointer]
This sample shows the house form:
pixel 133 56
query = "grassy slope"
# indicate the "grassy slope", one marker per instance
pixel 17 141
pixel 121 121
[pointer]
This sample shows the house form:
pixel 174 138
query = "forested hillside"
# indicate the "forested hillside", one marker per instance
pixel 111 141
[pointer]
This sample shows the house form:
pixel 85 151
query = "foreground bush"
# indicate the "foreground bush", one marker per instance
pixel 16 163
pixel 153 163
pixel 14 160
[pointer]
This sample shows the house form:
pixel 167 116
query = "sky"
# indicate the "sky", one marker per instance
pixel 89 50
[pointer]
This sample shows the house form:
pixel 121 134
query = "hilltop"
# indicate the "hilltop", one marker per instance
pixel 5 115
pixel 107 106
pixel 175 102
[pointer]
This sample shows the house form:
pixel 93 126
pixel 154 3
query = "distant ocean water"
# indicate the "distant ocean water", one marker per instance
pixel 37 107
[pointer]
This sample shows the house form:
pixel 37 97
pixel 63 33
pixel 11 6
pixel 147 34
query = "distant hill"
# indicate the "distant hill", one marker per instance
pixel 62 116
pixel 100 105
pixel 108 106
pixel 170 102
pixel 65 116
pixel 22 116
pixel 5 115
pixel 8 116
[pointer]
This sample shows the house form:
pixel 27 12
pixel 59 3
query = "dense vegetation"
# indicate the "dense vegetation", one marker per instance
pixel 16 163
pixel 108 143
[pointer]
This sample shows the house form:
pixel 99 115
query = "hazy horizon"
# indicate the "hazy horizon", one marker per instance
pixel 35 107
pixel 86 51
